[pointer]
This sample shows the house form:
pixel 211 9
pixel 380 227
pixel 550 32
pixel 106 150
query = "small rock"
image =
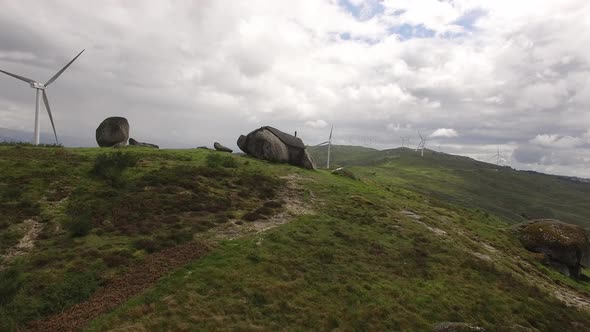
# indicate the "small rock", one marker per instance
pixel 222 148
pixel 142 144
pixel 344 172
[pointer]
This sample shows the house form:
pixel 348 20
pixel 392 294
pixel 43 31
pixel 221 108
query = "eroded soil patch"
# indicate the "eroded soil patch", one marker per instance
pixel 26 243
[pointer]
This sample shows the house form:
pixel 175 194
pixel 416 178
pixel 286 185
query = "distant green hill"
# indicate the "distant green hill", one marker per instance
pixel 166 240
pixel 503 191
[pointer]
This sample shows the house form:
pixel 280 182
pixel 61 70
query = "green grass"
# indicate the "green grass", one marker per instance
pixel 103 210
pixel 357 262
pixel 514 195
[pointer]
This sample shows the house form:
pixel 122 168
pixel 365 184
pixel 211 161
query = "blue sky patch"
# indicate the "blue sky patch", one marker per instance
pixel 365 11
pixel 408 31
pixel 468 20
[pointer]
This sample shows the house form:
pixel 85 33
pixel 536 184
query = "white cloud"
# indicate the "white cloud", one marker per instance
pixel 444 132
pixel 497 72
pixel 316 124
pixel 556 141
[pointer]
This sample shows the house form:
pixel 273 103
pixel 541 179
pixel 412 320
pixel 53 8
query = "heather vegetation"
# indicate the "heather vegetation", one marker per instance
pixel 380 251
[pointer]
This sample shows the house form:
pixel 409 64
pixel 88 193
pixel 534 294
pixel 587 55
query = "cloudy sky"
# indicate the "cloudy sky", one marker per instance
pixel 472 75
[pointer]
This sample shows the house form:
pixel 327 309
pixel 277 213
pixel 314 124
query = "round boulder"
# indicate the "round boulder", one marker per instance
pixel 113 131
pixel 566 247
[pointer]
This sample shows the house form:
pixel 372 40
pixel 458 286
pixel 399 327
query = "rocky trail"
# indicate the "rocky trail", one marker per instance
pixel 139 277
pixel 26 243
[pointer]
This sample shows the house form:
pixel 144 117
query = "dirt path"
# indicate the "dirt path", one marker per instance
pixel 26 243
pixel 139 277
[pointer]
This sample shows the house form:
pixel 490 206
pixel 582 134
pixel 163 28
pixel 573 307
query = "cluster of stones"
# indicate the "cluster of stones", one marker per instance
pixel 265 143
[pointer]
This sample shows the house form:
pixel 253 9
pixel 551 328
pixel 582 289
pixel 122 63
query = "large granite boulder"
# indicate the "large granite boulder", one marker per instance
pixel 113 131
pixel 142 144
pixel 221 148
pixel 566 247
pixel 271 144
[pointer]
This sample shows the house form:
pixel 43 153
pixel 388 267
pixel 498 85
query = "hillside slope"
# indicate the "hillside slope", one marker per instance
pixel 513 195
pixel 222 242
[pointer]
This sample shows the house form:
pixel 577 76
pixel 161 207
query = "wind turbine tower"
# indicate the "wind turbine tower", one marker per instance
pixel 421 145
pixel 329 147
pixel 499 158
pixel 329 144
pixel 41 91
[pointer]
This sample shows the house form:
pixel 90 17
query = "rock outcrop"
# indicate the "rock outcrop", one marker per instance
pixel 271 144
pixel 222 148
pixel 113 131
pixel 142 144
pixel 566 247
pixel 457 327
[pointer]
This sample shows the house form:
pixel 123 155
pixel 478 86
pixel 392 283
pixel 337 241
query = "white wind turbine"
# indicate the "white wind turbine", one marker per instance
pixel 40 87
pixel 329 144
pixel 499 158
pixel 421 145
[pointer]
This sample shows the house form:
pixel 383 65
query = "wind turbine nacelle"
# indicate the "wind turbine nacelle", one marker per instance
pixel 37 85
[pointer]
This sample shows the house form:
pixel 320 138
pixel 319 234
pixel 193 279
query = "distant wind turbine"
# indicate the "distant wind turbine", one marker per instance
pixel 41 90
pixel 499 158
pixel 421 145
pixel 329 144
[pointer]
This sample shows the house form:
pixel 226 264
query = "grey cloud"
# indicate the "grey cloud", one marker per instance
pixel 187 74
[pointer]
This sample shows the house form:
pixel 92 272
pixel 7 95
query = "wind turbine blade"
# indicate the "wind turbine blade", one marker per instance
pixel 63 69
pixel 28 80
pixel 46 101
pixel 330 138
pixel 323 143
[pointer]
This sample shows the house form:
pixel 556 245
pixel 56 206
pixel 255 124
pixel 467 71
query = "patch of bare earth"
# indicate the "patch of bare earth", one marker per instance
pixel 26 243
pixel 138 278
pixel 294 206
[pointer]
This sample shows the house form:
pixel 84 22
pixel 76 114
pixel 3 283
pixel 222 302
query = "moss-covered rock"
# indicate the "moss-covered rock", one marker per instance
pixel 565 246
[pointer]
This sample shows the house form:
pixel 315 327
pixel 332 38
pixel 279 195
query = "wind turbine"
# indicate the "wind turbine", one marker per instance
pixel 329 143
pixel 421 145
pixel 40 87
pixel 498 156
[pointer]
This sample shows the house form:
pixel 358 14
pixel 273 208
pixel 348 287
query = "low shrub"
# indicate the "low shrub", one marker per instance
pixel 73 288
pixel 110 166
pixel 11 280
pixel 215 160
pixel 78 225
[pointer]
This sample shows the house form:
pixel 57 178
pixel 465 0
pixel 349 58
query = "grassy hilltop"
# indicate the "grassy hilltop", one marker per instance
pixel 513 195
pixel 200 240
